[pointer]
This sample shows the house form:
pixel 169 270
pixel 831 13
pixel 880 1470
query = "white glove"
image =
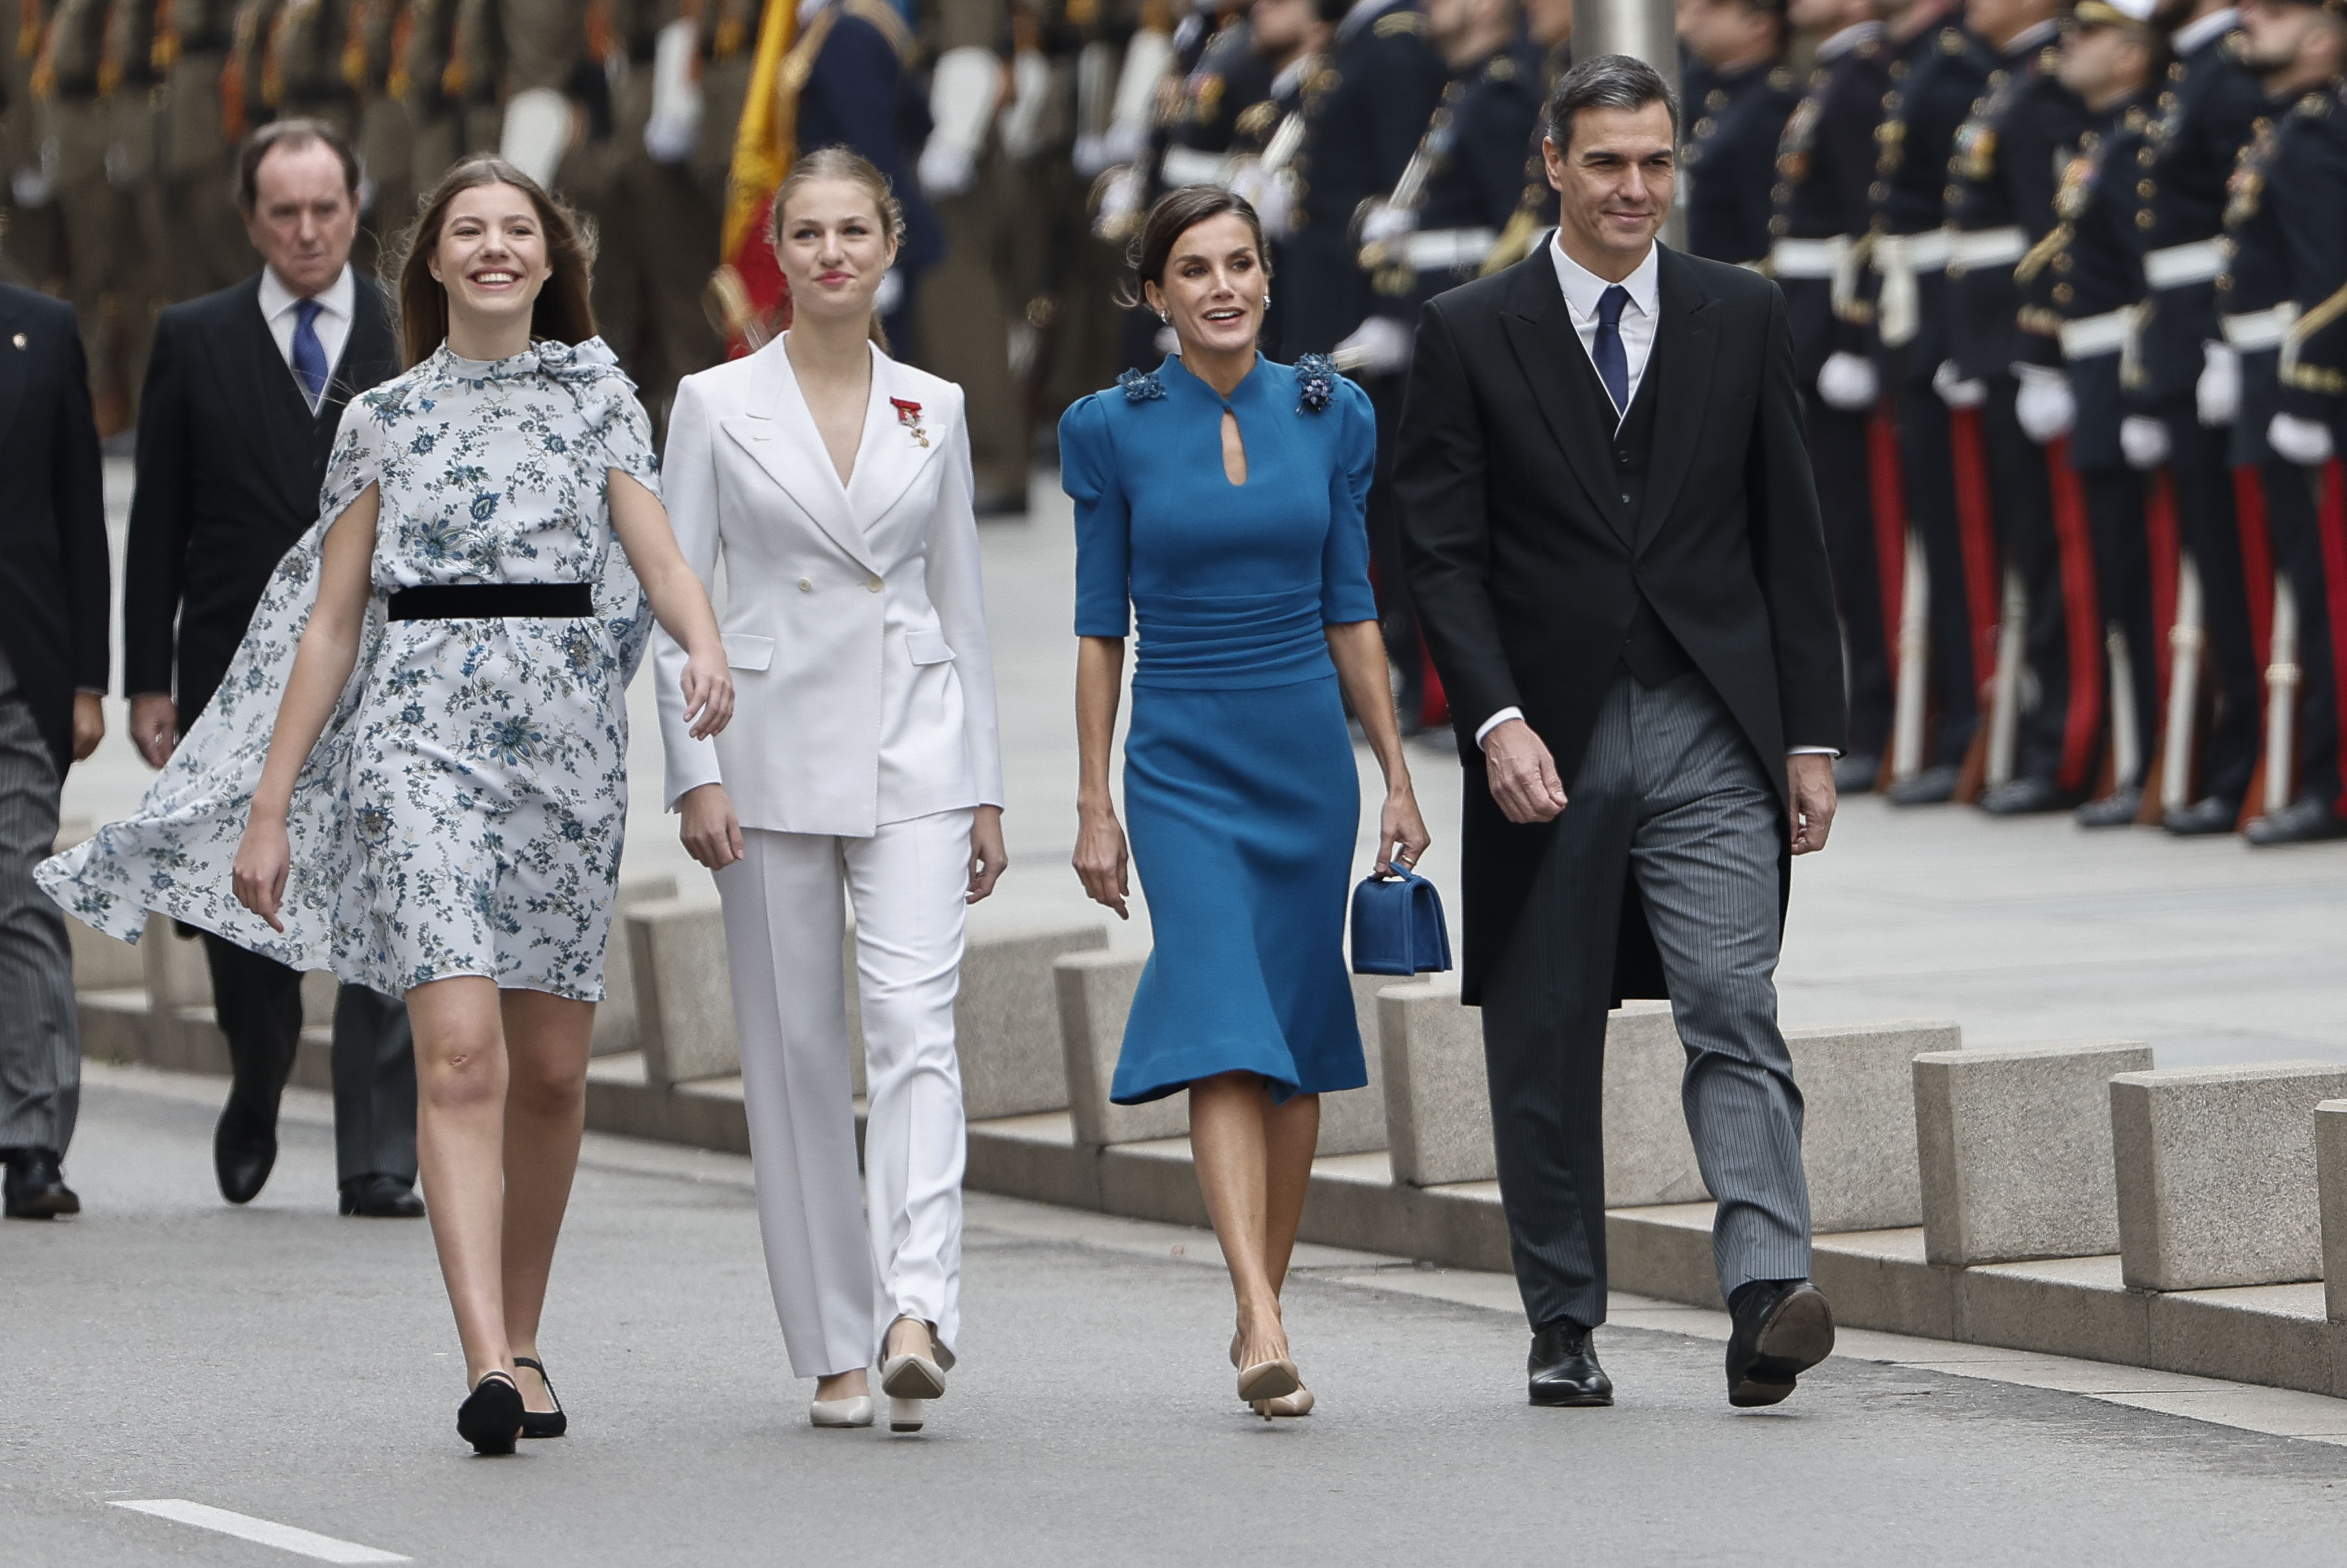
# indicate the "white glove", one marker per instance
pixel 1091 156
pixel 2218 390
pixel 31 185
pixel 946 170
pixel 1848 382
pixel 1121 203
pixel 1386 223
pixel 2045 405
pixel 1272 194
pixel 1378 346
pixel 674 128
pixel 1020 123
pixel 2305 442
pixel 1954 390
pixel 2144 440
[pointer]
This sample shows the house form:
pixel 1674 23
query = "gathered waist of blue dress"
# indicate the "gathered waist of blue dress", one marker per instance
pixel 1230 640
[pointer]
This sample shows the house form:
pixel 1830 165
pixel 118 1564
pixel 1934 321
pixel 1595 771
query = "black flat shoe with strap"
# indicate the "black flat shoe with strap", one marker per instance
pixel 551 1423
pixel 491 1416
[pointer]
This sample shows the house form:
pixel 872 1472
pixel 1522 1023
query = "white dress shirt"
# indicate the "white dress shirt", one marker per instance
pixel 1582 289
pixel 281 308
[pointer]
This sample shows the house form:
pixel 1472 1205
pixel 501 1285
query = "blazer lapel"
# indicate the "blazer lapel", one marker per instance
pixel 890 458
pixel 787 445
pixel 369 358
pixel 1686 349
pixel 1566 388
pixel 283 429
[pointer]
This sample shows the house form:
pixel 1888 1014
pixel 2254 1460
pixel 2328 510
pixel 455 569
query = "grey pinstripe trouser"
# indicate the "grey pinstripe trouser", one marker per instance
pixel 1669 788
pixel 40 1032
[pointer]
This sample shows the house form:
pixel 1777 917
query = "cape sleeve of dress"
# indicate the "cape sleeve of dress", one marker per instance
pixel 616 422
pixel 176 853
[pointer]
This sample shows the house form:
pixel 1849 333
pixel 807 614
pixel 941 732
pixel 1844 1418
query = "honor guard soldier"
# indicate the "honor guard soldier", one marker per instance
pixel 429 75
pixel 301 74
pixel 2206 108
pixel 1222 76
pixel 73 76
pixel 2284 291
pixel 32 237
pixel 386 136
pixel 1936 70
pixel 1730 155
pixel 2082 288
pixel 1289 38
pixel 196 164
pixel 2000 206
pixel 1548 28
pixel 1824 162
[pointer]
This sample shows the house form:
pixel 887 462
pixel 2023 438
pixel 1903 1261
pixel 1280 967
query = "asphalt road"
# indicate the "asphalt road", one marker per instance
pixel 298 1368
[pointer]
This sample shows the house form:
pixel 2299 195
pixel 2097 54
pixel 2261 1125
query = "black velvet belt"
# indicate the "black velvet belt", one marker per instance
pixel 486 600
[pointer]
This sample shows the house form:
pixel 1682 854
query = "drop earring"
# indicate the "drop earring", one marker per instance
pixel 1161 316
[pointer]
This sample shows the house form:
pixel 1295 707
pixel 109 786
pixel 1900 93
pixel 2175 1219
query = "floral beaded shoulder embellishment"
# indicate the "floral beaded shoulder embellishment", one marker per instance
pixel 1315 383
pixel 908 415
pixel 1141 385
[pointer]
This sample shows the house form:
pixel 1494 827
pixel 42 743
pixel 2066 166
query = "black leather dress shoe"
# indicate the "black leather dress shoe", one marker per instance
pixel 36 1186
pixel 1856 775
pixel 2204 818
pixel 1564 1370
pixel 1930 787
pixel 2026 797
pixel 2306 820
pixel 382 1197
pixel 2117 809
pixel 243 1154
pixel 1783 1327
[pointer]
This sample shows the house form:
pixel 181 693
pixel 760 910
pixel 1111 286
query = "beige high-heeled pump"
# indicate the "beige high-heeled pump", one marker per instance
pixel 909 1381
pixel 1299 1403
pixel 1266 1380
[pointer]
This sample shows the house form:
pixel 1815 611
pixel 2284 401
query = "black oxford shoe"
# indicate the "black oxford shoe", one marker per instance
pixel 1783 1327
pixel 36 1186
pixel 1564 1370
pixel 380 1197
pixel 242 1156
pixel 2026 797
pixel 1856 775
pixel 2117 809
pixel 1931 787
pixel 2203 818
pixel 2306 820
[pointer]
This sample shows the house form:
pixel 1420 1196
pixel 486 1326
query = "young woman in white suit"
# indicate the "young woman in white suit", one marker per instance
pixel 836 485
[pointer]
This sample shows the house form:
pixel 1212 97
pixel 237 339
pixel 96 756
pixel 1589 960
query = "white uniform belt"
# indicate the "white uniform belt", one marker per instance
pixel 1924 253
pixel 1190 166
pixel 2253 330
pixel 2181 266
pixel 2091 337
pixel 1448 249
pixel 1813 259
pixel 2003 246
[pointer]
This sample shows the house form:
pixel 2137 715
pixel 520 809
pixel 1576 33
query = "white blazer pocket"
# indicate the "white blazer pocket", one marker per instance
pixel 747 651
pixel 929 646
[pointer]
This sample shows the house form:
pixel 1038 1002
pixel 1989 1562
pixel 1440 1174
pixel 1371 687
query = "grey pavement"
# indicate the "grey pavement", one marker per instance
pixel 298 1368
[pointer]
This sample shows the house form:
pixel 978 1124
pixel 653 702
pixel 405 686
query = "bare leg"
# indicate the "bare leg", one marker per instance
pixel 460 1081
pixel 548 1039
pixel 1229 1141
pixel 1291 1132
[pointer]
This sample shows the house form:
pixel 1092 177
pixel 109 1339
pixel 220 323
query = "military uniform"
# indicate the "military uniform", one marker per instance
pixel 2081 289
pixel 1823 162
pixel 2309 162
pixel 32 229
pixel 1729 159
pixel 195 167
pixel 1934 79
pixel 1472 150
pixel 2006 158
pixel 2204 114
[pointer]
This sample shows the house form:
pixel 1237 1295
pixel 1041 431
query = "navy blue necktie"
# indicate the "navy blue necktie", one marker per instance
pixel 1612 365
pixel 309 354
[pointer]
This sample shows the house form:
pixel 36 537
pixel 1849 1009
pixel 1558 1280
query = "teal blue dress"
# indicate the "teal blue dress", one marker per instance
pixel 1240 792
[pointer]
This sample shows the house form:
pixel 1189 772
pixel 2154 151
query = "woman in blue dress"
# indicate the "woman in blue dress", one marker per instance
pixel 1219 506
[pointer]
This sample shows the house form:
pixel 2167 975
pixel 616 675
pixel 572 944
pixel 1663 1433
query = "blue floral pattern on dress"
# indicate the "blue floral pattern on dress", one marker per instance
pixel 464 810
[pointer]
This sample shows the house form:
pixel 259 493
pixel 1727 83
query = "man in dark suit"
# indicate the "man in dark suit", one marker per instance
pixel 53 656
pixel 1610 531
pixel 244 392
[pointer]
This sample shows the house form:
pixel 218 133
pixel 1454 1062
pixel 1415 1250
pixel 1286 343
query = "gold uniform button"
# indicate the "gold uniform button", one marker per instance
pixel 805 586
pixel 2146 189
pixel 872 585
pixel 2145 220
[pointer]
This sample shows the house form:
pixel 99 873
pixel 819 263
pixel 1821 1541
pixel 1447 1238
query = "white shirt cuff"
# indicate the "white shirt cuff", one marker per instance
pixel 1812 751
pixel 1494 721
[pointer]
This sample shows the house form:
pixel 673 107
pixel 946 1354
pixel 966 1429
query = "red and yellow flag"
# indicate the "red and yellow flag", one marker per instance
pixel 747 295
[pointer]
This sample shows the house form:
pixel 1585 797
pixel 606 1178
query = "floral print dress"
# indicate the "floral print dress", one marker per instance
pixel 464 812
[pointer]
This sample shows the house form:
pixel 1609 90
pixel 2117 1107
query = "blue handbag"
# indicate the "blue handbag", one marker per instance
pixel 1398 926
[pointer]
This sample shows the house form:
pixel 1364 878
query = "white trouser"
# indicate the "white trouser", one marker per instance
pixel 844 1263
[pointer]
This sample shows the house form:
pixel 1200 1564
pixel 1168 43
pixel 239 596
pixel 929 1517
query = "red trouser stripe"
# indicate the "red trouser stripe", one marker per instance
pixel 2159 522
pixel 2082 619
pixel 2257 557
pixel 2335 581
pixel 1978 537
pixel 1886 481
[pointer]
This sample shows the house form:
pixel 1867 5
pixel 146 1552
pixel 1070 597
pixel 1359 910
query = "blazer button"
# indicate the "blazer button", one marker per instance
pixel 805 586
pixel 872 585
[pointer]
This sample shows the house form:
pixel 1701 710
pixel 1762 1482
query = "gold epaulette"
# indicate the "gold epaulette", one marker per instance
pixel 1400 25
pixel 1258 121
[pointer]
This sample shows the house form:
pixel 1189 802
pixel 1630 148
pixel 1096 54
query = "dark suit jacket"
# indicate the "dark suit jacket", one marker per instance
pixel 1526 567
pixel 53 577
pixel 231 462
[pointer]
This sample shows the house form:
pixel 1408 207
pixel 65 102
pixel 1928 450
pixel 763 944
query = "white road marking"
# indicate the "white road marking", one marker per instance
pixel 268 1532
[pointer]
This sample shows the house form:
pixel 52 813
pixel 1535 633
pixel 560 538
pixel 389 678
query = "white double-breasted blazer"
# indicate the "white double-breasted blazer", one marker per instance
pixel 854 617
